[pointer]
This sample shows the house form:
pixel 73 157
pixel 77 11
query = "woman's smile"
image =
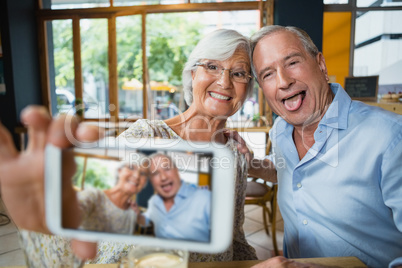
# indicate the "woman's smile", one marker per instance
pixel 219 97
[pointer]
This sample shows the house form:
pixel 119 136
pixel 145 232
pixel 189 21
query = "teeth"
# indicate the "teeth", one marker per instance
pixel 218 96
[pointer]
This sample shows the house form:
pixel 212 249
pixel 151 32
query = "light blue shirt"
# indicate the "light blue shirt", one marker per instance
pixel 187 219
pixel 344 198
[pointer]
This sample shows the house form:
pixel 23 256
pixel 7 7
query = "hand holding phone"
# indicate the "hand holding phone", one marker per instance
pixel 22 173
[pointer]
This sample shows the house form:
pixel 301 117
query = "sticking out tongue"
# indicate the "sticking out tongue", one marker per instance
pixel 167 188
pixel 293 103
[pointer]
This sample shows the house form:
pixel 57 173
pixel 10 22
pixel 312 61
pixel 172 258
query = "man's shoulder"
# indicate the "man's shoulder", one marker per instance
pixel 195 191
pixel 375 115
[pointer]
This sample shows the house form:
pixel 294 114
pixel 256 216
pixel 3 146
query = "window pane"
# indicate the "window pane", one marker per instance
pixel 328 2
pixel 129 66
pixel 95 73
pixel 376 3
pixel 378 48
pixel 63 63
pixel 168 47
pixel 69 4
pixel 219 1
pixel 147 2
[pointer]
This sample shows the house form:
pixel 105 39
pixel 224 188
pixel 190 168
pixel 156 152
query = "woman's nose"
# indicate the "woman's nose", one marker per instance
pixel 224 79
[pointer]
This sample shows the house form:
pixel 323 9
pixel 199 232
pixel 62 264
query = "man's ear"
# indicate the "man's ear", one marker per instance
pixel 321 63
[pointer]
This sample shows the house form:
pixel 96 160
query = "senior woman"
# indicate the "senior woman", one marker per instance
pixel 216 81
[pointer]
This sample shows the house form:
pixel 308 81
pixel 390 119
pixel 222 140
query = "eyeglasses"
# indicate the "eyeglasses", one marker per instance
pixel 217 71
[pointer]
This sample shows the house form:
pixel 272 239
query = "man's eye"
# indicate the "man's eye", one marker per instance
pixel 267 75
pixel 293 62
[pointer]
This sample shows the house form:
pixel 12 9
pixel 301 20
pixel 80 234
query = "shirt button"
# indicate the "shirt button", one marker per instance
pixel 305 222
pixel 299 185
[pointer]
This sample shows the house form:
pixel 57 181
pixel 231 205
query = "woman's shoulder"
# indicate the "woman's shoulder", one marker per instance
pixel 90 193
pixel 146 128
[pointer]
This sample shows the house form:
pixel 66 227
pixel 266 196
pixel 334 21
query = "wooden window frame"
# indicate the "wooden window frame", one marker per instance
pixel 266 9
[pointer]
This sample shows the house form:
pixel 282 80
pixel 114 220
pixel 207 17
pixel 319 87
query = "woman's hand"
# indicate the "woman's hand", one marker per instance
pixel 22 173
pixel 134 206
pixel 259 168
pixel 242 146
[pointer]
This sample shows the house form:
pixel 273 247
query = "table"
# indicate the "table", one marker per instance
pixel 344 262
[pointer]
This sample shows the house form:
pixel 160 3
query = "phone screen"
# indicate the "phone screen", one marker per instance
pixel 162 193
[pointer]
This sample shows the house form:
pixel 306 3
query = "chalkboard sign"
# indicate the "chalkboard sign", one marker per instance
pixel 362 88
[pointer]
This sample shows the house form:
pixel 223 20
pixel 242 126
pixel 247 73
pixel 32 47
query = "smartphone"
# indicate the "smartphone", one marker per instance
pixel 166 193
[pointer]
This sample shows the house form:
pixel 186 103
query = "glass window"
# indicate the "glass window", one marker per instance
pixel 376 3
pixel 378 48
pixel 63 63
pixel 95 72
pixel 147 2
pixel 168 47
pixel 69 4
pixel 328 2
pixel 129 66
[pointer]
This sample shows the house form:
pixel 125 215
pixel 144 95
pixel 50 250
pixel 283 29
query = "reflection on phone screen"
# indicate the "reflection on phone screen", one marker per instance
pixel 164 194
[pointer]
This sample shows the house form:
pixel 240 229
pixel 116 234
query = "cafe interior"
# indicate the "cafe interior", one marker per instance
pixel 112 62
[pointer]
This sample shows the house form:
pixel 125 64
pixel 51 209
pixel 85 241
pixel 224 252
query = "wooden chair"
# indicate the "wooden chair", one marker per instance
pixel 259 192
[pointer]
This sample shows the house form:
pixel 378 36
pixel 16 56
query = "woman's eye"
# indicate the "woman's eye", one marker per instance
pixel 239 74
pixel 212 67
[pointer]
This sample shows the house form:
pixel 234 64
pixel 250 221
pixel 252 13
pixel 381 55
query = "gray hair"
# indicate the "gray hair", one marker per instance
pixel 218 45
pixel 160 154
pixel 141 161
pixel 304 38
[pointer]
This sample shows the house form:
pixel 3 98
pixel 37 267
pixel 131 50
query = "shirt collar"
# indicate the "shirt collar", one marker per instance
pixel 184 190
pixel 335 117
pixel 337 113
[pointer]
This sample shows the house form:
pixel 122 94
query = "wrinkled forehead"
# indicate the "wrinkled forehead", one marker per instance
pixel 161 161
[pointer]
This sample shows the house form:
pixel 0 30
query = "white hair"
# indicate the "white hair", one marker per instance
pixel 140 160
pixel 304 38
pixel 218 45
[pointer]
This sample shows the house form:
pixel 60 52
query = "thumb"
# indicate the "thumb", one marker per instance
pixel 84 250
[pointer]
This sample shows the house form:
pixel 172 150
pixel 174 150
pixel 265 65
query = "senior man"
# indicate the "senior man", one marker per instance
pixel 177 209
pixel 338 161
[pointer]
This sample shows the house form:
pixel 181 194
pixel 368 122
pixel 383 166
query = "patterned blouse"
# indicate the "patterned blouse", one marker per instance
pixel 58 253
pixel 239 249
pixel 100 214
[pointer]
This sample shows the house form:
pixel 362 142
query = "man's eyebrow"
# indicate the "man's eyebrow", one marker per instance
pixel 292 55
pixel 263 71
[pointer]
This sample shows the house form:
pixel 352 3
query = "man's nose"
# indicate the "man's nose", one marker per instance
pixel 163 175
pixel 283 79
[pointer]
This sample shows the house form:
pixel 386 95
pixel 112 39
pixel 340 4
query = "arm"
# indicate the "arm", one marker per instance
pixel 22 191
pixel 141 220
pixel 278 262
pixel 260 168
pixel 391 184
